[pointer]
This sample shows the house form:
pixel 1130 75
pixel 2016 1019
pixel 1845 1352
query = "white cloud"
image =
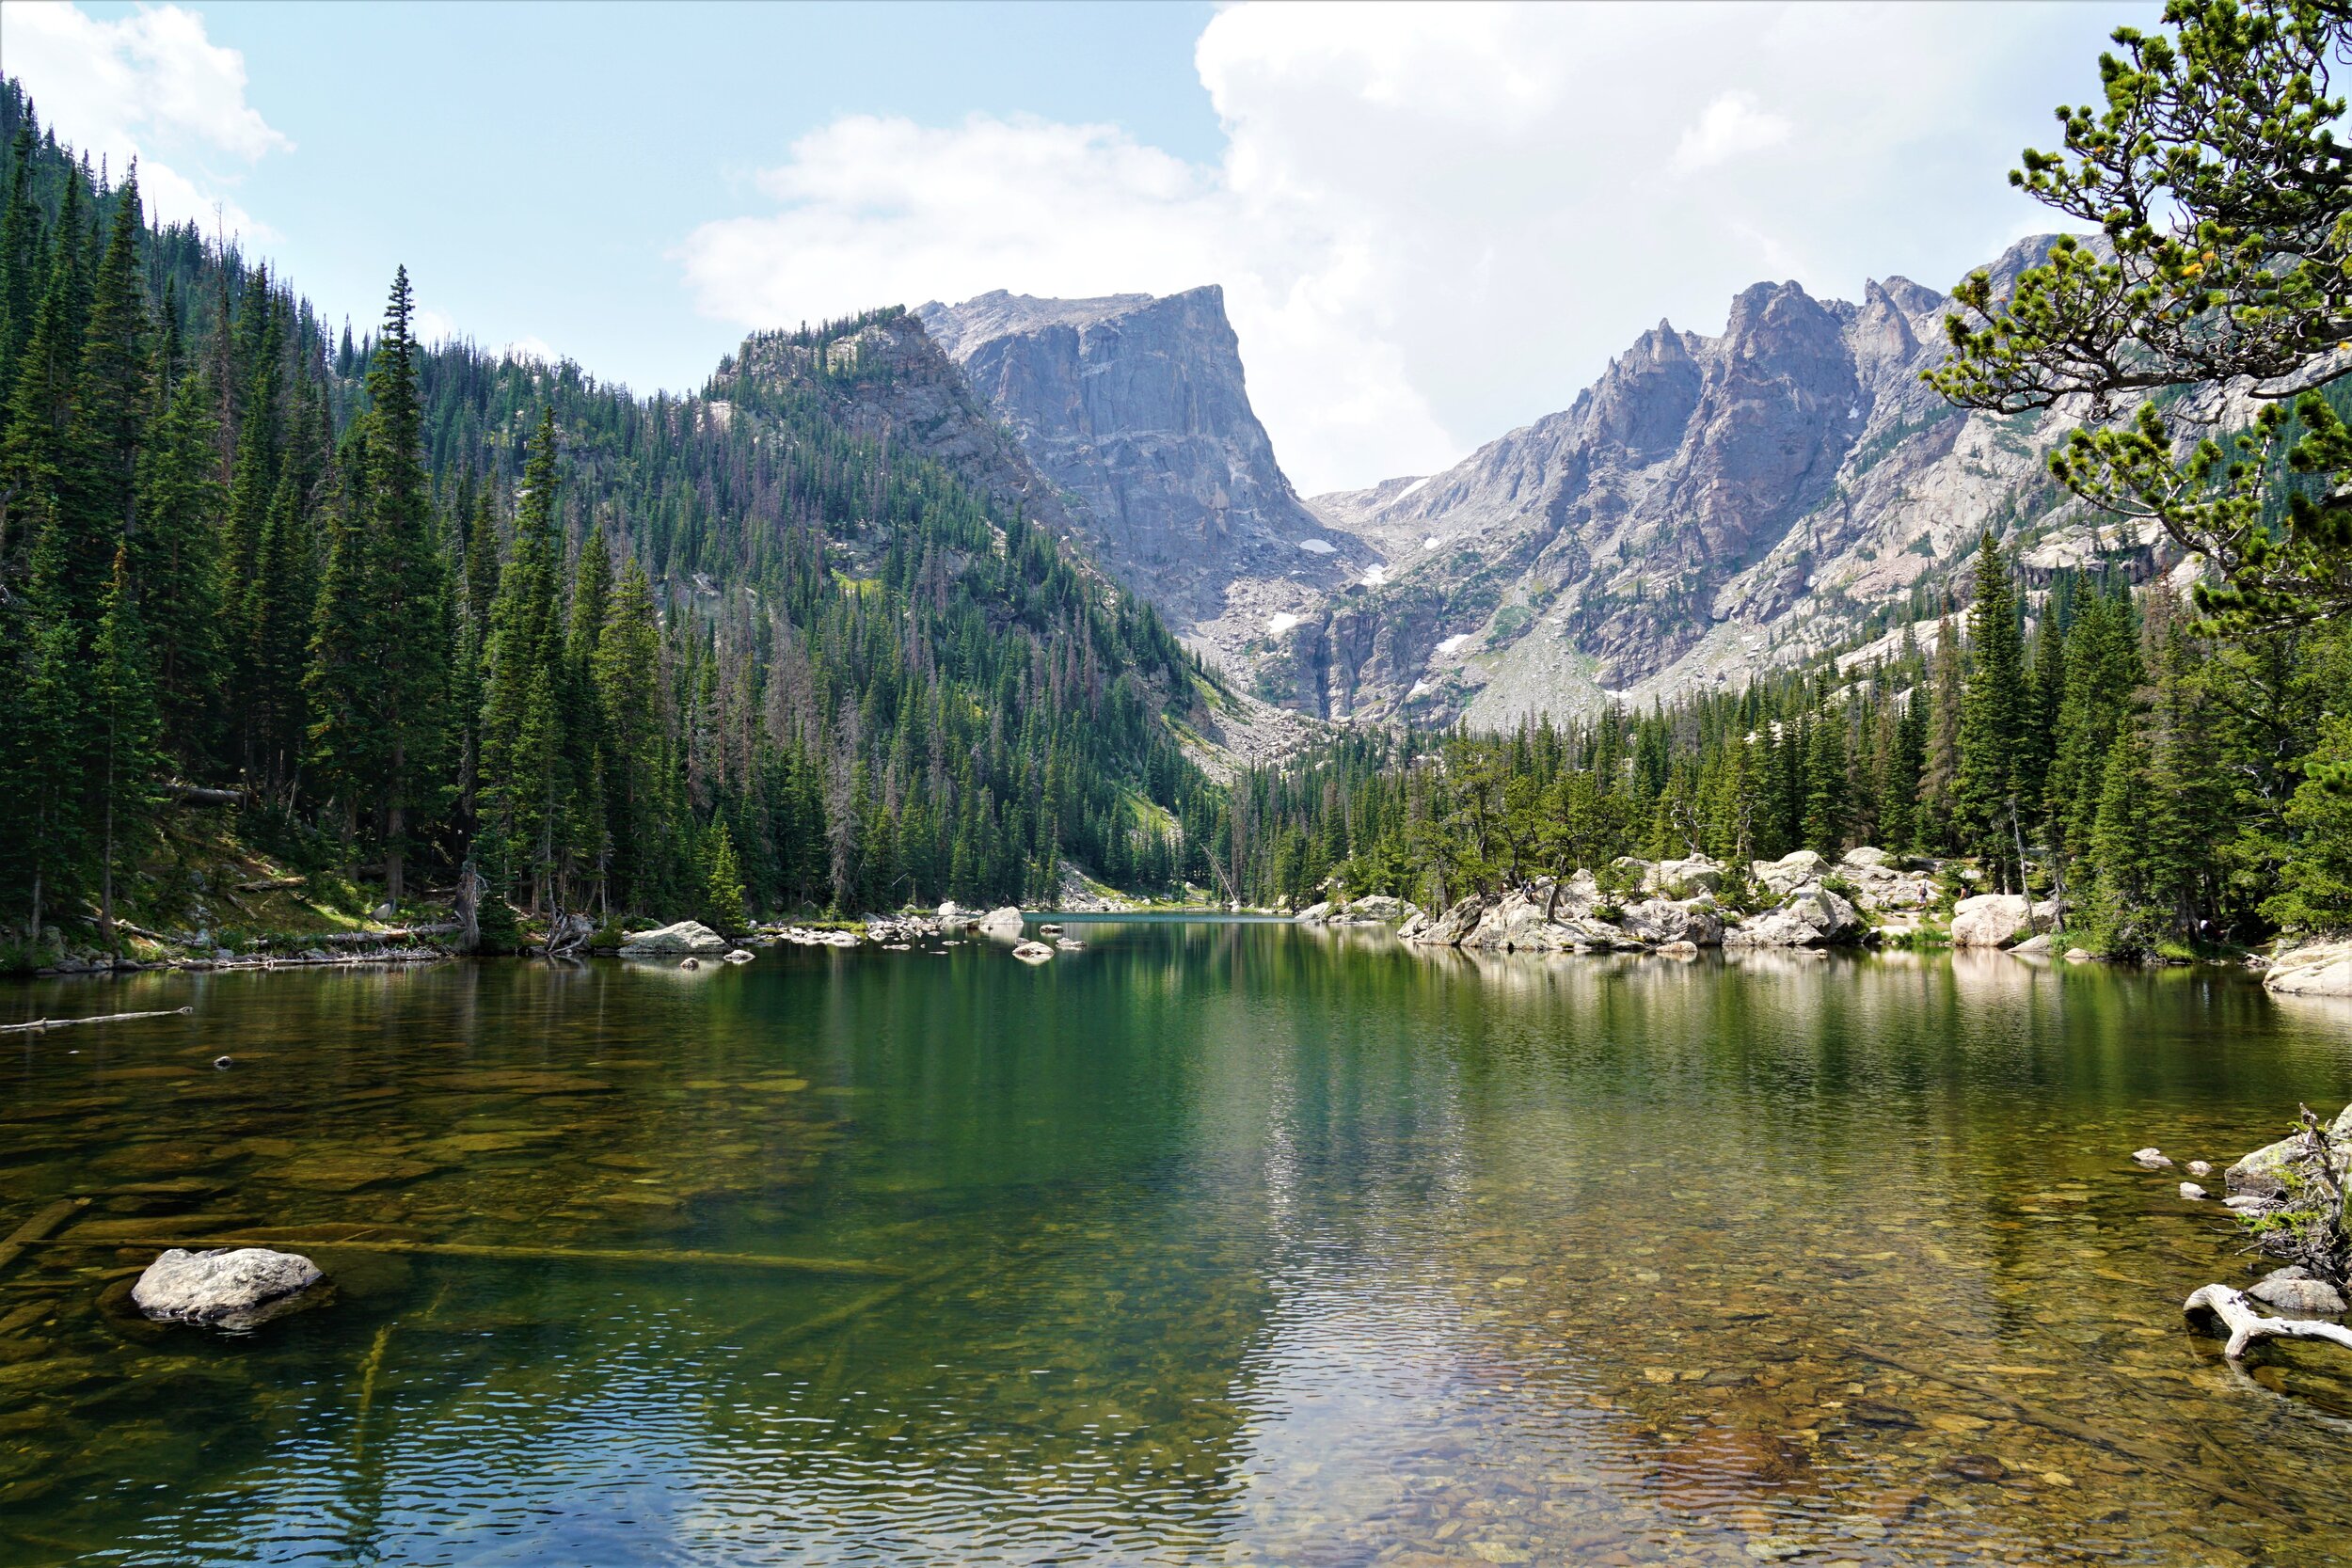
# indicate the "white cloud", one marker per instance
pixel 1433 223
pixel 428 325
pixel 148 86
pixel 1731 125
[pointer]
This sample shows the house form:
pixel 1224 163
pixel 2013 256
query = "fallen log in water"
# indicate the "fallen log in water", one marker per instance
pixel 39 1226
pixel 2066 1426
pixel 2247 1323
pixel 519 1253
pixel 40 1023
pixel 850 1310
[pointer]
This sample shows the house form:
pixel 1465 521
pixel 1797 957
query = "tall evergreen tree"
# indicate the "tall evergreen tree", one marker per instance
pixel 1992 718
pixel 125 723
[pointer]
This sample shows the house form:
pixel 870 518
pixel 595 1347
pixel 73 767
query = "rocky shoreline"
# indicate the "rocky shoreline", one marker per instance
pixel 1673 907
pixel 1800 900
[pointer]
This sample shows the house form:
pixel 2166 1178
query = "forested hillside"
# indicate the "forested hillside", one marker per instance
pixel 418 608
pixel 2172 785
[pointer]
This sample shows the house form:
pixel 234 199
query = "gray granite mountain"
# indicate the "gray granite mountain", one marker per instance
pixel 904 388
pixel 1134 410
pixel 1710 506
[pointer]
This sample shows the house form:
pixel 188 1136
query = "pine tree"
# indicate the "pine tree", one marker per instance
pixel 1992 720
pixel 722 881
pixel 521 725
pixel 1825 802
pixel 175 559
pixel 405 591
pixel 626 669
pixel 1940 755
pixel 124 758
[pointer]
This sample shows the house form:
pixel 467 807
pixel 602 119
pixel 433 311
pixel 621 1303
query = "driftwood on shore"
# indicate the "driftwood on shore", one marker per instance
pixel 2247 1323
pixel 41 1023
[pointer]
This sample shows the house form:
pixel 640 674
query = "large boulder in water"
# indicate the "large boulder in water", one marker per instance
pixel 2321 967
pixel 227 1288
pixel 687 936
pixel 1991 920
pixel 1003 922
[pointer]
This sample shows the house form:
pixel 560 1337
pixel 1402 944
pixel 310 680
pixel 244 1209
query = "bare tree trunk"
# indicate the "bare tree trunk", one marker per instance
pixel 469 907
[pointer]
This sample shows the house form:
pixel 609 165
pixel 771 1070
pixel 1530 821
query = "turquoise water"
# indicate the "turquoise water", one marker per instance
pixel 1210 1243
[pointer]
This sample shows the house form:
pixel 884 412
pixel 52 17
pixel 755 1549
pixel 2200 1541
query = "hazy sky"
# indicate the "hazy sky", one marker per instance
pixel 1431 225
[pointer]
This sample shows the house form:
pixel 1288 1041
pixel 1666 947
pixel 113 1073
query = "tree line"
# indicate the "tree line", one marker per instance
pixel 2170 783
pixel 424 609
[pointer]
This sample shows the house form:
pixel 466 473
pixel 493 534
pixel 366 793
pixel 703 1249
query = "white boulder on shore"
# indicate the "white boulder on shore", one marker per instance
pixel 1991 920
pixel 1002 921
pixel 687 936
pixel 2321 966
pixel 226 1288
pixel 1812 917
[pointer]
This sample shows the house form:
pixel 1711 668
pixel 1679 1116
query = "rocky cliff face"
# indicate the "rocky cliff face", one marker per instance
pixel 1710 506
pixel 1135 410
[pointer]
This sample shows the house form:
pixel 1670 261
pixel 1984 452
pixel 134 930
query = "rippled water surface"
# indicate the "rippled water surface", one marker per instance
pixel 1207 1245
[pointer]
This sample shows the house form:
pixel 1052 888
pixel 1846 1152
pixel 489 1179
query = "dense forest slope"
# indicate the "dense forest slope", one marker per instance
pixel 809 637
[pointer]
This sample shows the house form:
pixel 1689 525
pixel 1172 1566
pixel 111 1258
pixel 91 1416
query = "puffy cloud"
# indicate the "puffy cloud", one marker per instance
pixel 151 85
pixel 1435 223
pixel 1731 125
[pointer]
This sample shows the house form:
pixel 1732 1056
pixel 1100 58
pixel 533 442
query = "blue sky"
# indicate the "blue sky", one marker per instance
pixel 1431 223
pixel 534 165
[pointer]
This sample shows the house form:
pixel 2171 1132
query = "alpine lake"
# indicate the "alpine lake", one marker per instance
pixel 1219 1243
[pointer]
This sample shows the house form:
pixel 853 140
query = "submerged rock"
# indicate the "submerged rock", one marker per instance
pixel 1032 952
pixel 2193 1192
pixel 1991 920
pixel 687 936
pixel 2154 1159
pixel 226 1287
pixel 740 955
pixel 2292 1289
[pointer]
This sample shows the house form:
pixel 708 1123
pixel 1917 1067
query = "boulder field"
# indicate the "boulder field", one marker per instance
pixel 1649 904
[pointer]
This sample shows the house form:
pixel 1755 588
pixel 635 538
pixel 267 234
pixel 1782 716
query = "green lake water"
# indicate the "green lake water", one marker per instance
pixel 1211 1243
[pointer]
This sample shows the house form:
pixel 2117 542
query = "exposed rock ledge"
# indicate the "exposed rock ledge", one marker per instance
pixel 2320 966
pixel 1680 910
